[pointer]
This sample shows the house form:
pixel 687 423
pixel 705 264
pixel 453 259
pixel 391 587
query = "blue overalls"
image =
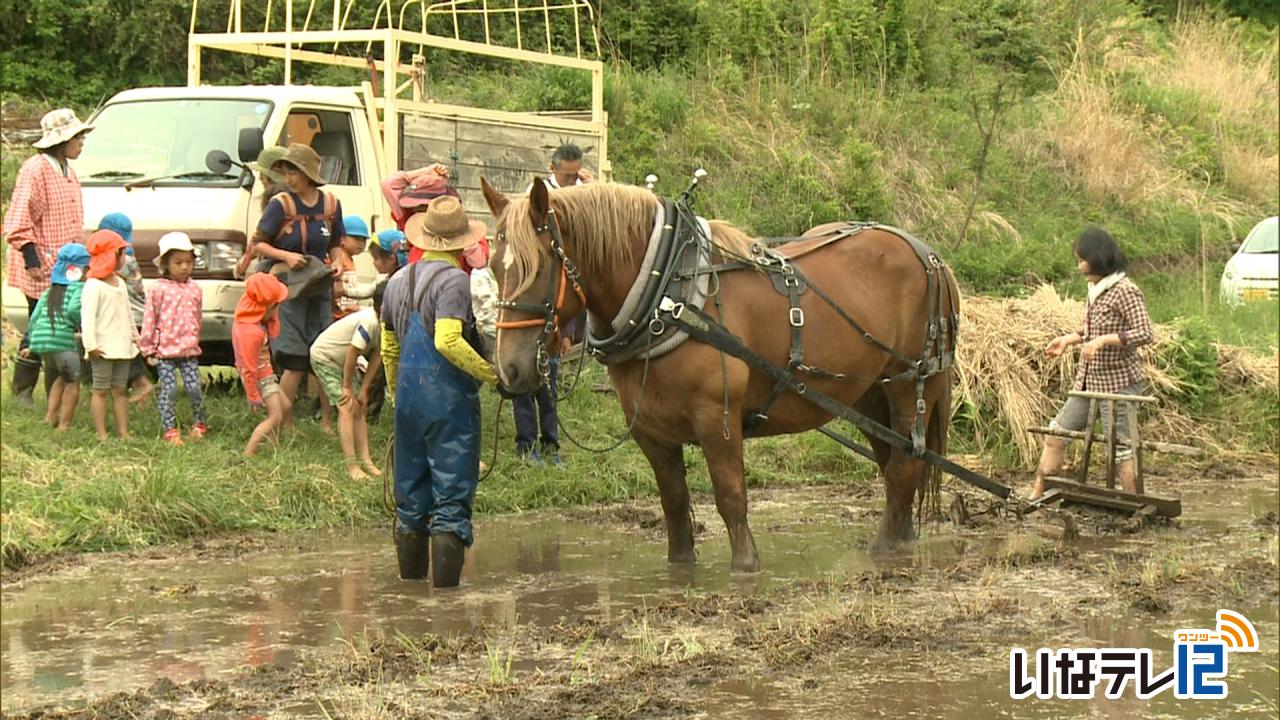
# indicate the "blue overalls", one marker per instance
pixel 437 427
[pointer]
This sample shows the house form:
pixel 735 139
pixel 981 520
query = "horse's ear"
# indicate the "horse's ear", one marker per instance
pixel 497 201
pixel 539 202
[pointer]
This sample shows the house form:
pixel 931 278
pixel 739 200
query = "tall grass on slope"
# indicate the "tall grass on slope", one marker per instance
pixel 1096 142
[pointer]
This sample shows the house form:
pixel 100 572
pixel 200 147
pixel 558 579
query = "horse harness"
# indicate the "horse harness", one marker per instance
pixel 669 290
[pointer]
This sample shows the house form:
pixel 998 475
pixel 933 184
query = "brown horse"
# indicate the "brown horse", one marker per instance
pixel 875 277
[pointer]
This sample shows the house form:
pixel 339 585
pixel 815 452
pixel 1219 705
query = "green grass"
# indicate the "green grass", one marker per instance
pixel 73 493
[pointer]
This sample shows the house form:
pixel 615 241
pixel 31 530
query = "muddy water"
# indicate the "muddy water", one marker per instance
pixel 908 684
pixel 121 625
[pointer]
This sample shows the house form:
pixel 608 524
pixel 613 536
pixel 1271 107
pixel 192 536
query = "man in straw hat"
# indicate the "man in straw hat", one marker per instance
pixel 45 212
pixel 437 421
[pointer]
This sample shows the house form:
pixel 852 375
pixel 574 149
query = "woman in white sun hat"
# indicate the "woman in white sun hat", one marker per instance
pixel 45 212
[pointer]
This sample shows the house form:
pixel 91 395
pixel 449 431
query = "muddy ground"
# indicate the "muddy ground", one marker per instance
pixel 914 636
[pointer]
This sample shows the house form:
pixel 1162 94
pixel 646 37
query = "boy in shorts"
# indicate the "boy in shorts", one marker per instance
pixel 335 358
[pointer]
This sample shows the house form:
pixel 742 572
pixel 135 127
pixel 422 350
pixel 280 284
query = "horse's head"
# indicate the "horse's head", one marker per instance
pixel 538 284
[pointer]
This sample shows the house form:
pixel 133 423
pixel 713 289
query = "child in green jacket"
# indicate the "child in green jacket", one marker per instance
pixel 54 324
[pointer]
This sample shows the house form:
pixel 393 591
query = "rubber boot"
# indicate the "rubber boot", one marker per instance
pixel 1127 474
pixel 26 373
pixel 1051 460
pixel 447 553
pixel 413 554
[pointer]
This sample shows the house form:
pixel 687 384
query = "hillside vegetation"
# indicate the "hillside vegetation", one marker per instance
pixel 995 130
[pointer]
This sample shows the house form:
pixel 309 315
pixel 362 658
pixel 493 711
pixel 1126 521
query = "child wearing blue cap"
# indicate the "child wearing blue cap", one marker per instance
pixel 346 288
pixel 54 324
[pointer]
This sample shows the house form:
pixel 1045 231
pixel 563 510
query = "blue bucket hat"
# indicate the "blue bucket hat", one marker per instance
pixel 392 241
pixel 120 224
pixel 68 255
pixel 355 226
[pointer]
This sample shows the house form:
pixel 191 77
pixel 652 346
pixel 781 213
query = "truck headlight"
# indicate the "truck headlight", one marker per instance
pixel 220 255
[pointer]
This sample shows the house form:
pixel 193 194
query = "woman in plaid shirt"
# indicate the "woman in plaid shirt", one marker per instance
pixel 1116 324
pixel 45 212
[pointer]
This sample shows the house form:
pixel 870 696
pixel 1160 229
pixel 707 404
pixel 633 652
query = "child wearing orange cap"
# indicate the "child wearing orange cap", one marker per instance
pixel 256 322
pixel 109 335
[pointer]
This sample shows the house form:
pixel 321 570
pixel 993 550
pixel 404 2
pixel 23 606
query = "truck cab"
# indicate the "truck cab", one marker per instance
pixel 146 159
pixel 148 156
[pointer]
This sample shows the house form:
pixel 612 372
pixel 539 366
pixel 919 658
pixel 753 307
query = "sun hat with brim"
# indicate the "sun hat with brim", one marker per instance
pixel 425 189
pixel 58 127
pixel 266 161
pixel 169 242
pixel 103 245
pixel 69 255
pixel 444 226
pixel 261 290
pixel 305 159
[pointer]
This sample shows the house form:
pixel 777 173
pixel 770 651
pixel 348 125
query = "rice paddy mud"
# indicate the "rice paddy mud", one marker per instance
pixel 576 614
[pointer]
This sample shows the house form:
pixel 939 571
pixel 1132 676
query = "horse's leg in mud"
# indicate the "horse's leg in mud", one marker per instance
pixel 902 474
pixel 667 462
pixel 724 461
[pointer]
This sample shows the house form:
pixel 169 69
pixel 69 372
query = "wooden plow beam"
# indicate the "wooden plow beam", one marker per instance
pixel 1069 492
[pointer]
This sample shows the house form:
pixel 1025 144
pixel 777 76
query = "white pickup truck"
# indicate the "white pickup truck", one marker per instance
pixel 147 156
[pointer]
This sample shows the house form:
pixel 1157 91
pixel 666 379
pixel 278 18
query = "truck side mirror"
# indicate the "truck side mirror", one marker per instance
pixel 218 162
pixel 249 144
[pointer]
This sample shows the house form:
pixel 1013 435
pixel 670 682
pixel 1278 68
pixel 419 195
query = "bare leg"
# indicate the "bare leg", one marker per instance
pixel 326 409
pixel 70 399
pixel 290 380
pixel 275 417
pixel 346 438
pixel 142 389
pixel 98 408
pixel 120 407
pixel 362 444
pixel 1051 459
pixel 55 402
pixel 667 462
pixel 724 460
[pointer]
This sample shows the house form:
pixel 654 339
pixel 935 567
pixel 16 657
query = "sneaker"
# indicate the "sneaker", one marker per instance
pixel 530 456
pixel 551 454
pixel 199 431
pixel 173 436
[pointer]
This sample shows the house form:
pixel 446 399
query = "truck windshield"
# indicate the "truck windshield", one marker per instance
pixel 153 138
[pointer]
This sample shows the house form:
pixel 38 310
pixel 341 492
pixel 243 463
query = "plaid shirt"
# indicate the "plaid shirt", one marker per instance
pixel 45 209
pixel 1122 311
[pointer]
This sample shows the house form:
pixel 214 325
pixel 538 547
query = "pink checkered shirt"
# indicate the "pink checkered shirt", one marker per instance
pixel 45 209
pixel 1121 310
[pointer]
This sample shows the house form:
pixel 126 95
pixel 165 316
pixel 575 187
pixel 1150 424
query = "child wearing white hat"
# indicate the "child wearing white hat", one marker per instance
pixel 171 334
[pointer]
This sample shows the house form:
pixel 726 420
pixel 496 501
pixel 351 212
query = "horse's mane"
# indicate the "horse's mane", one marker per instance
pixel 602 219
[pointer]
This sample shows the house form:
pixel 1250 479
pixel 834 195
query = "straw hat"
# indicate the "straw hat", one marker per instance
pixel 444 226
pixel 58 127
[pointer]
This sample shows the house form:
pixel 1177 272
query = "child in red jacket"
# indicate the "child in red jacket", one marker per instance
pixel 256 322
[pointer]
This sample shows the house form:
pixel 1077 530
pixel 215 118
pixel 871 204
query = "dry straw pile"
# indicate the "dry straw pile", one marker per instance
pixel 1003 371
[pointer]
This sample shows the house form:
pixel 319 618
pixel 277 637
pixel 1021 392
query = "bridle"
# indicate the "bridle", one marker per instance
pixel 549 313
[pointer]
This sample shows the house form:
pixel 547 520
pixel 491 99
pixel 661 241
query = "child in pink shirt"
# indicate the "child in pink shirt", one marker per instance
pixel 171 334
pixel 256 322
